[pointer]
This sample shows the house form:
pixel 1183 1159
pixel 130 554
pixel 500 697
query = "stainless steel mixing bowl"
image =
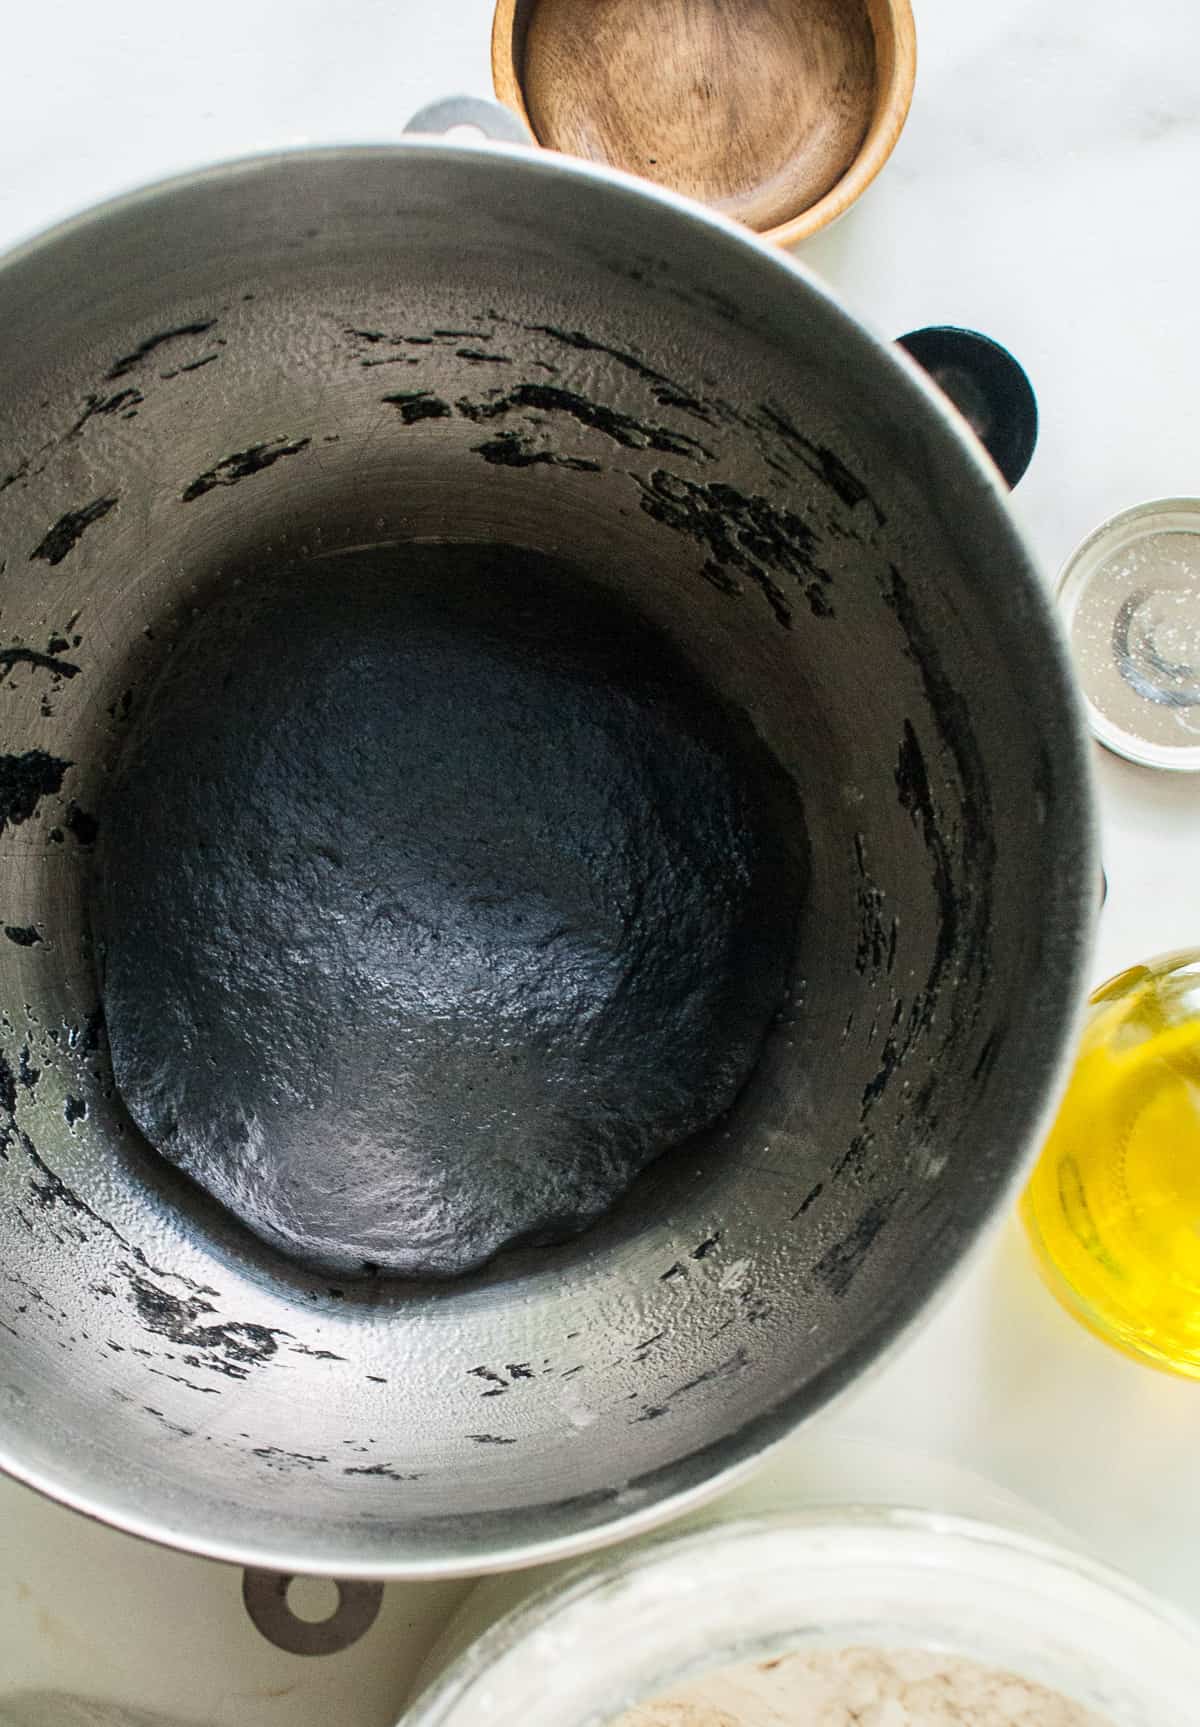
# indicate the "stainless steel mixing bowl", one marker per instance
pixel 433 341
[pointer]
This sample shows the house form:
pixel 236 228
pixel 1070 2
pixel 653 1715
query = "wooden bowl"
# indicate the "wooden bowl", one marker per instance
pixel 777 112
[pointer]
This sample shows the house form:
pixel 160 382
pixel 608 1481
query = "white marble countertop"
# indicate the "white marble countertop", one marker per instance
pixel 1044 191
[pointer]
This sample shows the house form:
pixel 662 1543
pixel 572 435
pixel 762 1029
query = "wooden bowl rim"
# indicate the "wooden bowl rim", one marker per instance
pixel 892 105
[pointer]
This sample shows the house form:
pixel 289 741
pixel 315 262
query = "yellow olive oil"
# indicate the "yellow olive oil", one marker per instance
pixel 1113 1208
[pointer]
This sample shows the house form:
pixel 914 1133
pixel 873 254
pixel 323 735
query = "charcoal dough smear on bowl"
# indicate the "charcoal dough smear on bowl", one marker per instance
pixel 436 898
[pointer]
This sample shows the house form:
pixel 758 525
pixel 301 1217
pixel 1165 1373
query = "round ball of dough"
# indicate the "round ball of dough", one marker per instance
pixel 434 901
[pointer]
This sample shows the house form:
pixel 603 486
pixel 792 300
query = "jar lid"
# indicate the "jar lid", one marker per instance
pixel 1130 599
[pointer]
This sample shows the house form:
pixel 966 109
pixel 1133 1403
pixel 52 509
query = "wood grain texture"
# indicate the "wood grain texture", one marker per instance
pixel 776 112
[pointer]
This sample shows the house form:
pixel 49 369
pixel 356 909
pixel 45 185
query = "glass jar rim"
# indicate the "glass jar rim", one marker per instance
pixel 608 1635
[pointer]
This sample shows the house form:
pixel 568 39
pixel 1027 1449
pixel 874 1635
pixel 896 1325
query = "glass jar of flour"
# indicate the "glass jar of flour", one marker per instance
pixel 838 1609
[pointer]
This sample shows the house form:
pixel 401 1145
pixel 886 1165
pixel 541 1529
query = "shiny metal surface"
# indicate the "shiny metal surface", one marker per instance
pixel 232 366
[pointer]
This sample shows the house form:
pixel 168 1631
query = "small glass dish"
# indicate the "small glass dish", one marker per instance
pixel 1130 601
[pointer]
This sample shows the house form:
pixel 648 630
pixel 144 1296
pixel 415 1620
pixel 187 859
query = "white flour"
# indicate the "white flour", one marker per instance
pixel 862 1688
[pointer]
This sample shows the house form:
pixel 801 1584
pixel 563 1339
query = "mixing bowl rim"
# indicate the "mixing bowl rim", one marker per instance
pixel 686 1482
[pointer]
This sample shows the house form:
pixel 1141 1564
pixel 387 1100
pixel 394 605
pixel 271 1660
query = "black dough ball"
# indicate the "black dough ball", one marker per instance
pixel 434 901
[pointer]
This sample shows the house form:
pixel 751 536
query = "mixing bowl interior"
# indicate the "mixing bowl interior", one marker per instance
pixel 306 355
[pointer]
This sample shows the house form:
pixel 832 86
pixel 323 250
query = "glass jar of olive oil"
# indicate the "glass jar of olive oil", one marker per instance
pixel 1113 1208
